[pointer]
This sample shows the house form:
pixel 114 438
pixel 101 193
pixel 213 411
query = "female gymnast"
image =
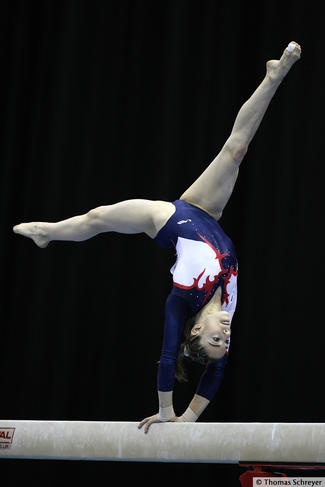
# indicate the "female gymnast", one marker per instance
pixel 203 297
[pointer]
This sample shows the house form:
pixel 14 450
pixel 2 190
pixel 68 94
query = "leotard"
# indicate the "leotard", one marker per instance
pixel 206 260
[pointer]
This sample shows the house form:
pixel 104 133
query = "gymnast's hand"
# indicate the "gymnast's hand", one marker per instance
pixel 154 419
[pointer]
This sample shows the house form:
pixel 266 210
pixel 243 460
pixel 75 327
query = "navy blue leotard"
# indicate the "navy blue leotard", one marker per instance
pixel 206 260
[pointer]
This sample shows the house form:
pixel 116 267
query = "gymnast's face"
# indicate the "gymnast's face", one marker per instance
pixel 214 334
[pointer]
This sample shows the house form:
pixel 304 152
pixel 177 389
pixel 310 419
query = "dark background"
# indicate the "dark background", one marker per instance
pixel 107 101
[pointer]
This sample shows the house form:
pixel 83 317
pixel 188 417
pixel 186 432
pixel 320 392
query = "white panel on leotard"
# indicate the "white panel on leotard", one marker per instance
pixel 231 289
pixel 194 257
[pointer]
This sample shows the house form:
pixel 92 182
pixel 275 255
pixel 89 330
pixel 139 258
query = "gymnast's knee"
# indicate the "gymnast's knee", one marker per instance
pixel 95 217
pixel 238 148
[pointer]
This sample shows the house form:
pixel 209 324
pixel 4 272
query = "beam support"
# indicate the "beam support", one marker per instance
pixel 169 442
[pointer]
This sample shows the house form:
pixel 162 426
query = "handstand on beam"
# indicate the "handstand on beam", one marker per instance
pixel 200 306
pixel 169 442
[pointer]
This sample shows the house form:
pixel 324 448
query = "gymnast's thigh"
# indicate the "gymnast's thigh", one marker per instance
pixel 163 210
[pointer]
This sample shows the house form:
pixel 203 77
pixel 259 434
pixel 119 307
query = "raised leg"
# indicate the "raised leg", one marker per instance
pixel 212 190
pixel 131 216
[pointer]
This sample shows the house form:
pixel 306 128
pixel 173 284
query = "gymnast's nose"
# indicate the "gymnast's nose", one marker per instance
pixel 227 331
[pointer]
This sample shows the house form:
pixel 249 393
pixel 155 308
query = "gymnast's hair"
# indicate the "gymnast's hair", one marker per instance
pixel 191 349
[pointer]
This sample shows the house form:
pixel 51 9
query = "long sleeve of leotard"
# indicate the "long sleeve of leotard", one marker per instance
pixel 176 314
pixel 211 379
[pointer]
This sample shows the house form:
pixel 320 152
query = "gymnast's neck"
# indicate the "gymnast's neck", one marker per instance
pixel 211 307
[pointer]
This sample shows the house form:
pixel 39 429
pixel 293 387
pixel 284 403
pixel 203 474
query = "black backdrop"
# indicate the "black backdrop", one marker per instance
pixel 106 101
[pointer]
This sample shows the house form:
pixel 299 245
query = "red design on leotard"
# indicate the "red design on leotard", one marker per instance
pixel 208 284
pixel 226 279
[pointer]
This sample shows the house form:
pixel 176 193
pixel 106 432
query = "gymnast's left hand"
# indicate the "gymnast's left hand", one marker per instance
pixel 154 419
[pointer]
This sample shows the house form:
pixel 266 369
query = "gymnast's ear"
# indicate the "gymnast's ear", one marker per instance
pixel 196 329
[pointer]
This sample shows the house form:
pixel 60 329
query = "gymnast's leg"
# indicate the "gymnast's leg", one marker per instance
pixel 212 190
pixel 130 216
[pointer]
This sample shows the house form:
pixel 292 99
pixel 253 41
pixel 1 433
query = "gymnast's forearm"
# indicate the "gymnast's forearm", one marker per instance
pixel 166 409
pixel 195 409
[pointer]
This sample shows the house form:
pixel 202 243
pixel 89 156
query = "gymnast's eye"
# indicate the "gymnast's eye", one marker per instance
pixel 216 339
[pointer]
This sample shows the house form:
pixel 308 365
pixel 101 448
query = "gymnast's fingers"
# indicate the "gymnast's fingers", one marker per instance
pixel 144 421
pixel 149 423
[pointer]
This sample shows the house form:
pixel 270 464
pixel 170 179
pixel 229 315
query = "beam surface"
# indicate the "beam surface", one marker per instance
pixel 169 442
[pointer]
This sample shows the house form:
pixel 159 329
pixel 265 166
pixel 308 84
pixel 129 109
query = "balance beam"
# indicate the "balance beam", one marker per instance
pixel 169 442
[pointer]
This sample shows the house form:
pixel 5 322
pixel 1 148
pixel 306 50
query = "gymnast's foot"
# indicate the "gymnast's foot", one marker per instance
pixel 35 230
pixel 277 69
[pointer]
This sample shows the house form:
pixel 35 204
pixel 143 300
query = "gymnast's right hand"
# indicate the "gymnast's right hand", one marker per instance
pixel 153 419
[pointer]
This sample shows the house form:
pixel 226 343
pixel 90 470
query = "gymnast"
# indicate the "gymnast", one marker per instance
pixel 201 304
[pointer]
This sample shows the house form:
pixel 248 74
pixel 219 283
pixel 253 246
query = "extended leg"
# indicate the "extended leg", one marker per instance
pixel 212 190
pixel 131 216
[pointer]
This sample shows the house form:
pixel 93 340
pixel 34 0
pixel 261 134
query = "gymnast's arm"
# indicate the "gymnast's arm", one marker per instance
pixel 208 386
pixel 176 313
